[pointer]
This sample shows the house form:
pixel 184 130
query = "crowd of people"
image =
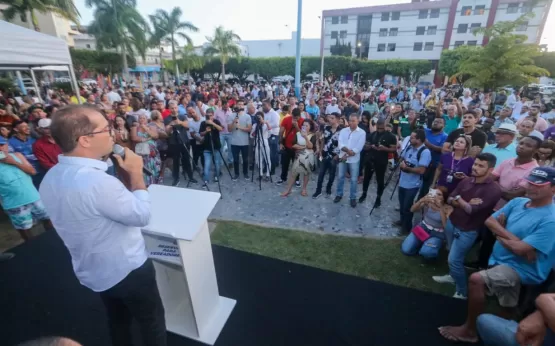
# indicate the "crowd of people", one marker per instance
pixel 479 166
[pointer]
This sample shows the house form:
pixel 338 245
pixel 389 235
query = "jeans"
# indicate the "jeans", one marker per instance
pixel 459 242
pixel 244 150
pixel 287 155
pixel 208 164
pixel 496 331
pixel 226 137
pixel 180 152
pixel 136 297
pixel 353 170
pixel 371 167
pixel 406 200
pixel 326 165
pixel 427 179
pixel 274 152
pixel 429 249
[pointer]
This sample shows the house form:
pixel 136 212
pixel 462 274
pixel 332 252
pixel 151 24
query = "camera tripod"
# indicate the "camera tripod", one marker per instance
pixel 189 157
pixel 262 154
pixel 213 155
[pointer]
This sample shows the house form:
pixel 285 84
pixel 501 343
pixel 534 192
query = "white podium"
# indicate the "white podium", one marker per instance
pixel 178 241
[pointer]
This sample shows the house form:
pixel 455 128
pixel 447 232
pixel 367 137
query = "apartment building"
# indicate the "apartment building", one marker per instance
pixel 422 29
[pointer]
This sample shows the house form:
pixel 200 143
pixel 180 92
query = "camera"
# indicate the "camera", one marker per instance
pixel 410 165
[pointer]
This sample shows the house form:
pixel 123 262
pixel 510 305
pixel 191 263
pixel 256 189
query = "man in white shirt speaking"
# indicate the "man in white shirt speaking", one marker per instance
pixel 99 221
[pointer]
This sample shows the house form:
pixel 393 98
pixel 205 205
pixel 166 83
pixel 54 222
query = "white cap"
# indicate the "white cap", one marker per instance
pixel 505 127
pixel 537 134
pixel 44 123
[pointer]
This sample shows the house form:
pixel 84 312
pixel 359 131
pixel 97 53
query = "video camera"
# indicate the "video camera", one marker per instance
pixel 425 118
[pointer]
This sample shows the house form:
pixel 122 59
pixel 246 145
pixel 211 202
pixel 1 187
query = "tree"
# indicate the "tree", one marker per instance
pixel 98 61
pixel 29 8
pixel 168 27
pixel 505 60
pixel 224 44
pixel 547 61
pixel 341 49
pixel 450 60
pixel 188 61
pixel 118 25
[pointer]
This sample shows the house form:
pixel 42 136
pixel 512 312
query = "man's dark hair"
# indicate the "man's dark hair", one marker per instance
pixel 489 158
pixel 47 341
pixel 285 108
pixel 296 112
pixel 17 123
pixel 380 122
pixel 535 139
pixel 420 135
pixel 71 122
pixel 472 113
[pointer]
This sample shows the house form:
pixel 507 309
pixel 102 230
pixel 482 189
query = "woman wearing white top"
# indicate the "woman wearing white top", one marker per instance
pixel 261 146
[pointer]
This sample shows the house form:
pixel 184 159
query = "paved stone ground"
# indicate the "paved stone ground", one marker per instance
pixel 243 201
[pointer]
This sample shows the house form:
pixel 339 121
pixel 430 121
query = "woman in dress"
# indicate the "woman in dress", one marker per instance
pixel 145 138
pixel 157 123
pixel 304 145
pixel 454 166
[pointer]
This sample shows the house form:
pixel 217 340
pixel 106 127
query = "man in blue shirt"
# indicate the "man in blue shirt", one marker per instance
pixel 504 147
pixel 415 159
pixel 523 254
pixel 313 109
pixel 435 137
pixel 22 142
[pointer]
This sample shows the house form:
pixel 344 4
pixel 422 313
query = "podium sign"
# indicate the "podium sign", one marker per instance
pixel 178 241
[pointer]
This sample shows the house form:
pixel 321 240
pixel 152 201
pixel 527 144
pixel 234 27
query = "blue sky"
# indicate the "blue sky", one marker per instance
pixel 259 20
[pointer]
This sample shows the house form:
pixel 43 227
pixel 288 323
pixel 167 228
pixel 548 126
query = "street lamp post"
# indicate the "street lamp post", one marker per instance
pixel 298 55
pixel 323 36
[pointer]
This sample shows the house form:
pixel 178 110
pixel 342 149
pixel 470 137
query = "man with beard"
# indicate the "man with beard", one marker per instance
pixel 534 115
pixel 479 138
pixel 378 145
pixel 435 137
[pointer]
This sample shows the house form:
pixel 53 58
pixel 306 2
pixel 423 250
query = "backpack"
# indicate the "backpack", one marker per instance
pixel 419 154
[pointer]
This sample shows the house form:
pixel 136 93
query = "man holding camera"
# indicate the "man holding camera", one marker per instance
pixel 178 128
pixel 415 160
pixel 378 146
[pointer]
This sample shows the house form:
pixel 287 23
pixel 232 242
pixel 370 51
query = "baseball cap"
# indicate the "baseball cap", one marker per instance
pixel 507 128
pixel 542 175
pixel 45 123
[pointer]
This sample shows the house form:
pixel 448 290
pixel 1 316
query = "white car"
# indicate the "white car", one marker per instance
pixel 63 80
pixel 88 81
pixel 547 90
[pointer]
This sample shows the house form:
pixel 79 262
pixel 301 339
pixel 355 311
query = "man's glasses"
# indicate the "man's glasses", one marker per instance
pixel 108 129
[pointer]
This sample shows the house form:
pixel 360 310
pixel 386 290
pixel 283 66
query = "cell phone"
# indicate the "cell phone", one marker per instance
pixel 449 100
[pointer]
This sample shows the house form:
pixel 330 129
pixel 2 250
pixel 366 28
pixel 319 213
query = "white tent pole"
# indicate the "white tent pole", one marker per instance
pixel 20 83
pixel 35 85
pixel 74 83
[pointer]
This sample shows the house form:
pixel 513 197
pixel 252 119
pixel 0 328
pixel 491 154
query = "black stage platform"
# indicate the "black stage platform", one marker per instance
pixel 278 303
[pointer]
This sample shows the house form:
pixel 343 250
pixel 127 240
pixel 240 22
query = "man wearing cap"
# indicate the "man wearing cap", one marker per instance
pixel 333 107
pixel 504 147
pixel 523 254
pixel 45 148
pixel 534 115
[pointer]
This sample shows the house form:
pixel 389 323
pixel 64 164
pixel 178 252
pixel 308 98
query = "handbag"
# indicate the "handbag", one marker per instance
pixel 142 149
pixel 420 233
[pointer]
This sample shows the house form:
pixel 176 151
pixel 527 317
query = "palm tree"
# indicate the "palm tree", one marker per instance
pixel 118 25
pixel 29 8
pixel 224 44
pixel 190 60
pixel 168 27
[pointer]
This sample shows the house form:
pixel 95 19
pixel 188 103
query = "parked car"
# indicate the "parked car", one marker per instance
pixel 547 90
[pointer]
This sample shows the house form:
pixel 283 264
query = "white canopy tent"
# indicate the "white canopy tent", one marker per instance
pixel 24 49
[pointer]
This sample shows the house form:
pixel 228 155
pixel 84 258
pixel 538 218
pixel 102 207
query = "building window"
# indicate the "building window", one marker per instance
pixel 417 46
pixel 432 30
pixel 383 32
pixel 429 46
pixel 344 19
pixel 512 8
pixel 343 34
pixel 522 27
pixel 479 10
pixel 434 13
pixel 381 47
pixel 335 20
pixel 462 29
pixel 422 14
pixel 393 31
pixel 334 34
pixel 156 61
pixel 395 15
pixel 466 11
pixel 472 43
pixel 474 26
pixel 458 43
pixel 526 8
pixel 420 30
pixel 88 45
pixel 391 47
pixel 385 16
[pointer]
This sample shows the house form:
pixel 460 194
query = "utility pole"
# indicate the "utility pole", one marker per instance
pixel 298 55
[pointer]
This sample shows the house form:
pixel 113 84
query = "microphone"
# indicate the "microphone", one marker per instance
pixel 118 150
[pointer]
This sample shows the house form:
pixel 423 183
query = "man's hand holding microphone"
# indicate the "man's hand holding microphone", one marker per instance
pixel 132 164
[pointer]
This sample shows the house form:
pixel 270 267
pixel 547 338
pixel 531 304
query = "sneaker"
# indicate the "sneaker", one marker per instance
pixel 297 183
pixel 362 198
pixel 328 194
pixel 247 177
pixel 280 181
pixel 175 182
pixel 216 179
pixel 353 203
pixel 337 199
pixel 377 203
pixel 316 194
pixel 6 256
pixel 205 185
pixel 457 295
pixel 397 208
pixel 193 181
pixel 235 178
pixel 444 279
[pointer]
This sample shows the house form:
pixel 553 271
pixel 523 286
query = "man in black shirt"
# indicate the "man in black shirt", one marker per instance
pixel 177 144
pixel 378 145
pixel 210 131
pixel 479 138
pixel 328 150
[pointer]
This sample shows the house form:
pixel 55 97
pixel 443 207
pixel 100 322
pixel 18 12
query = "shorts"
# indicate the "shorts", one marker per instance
pixel 503 282
pixel 24 217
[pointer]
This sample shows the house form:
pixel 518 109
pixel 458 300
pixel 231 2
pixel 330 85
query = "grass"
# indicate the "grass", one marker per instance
pixel 376 259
